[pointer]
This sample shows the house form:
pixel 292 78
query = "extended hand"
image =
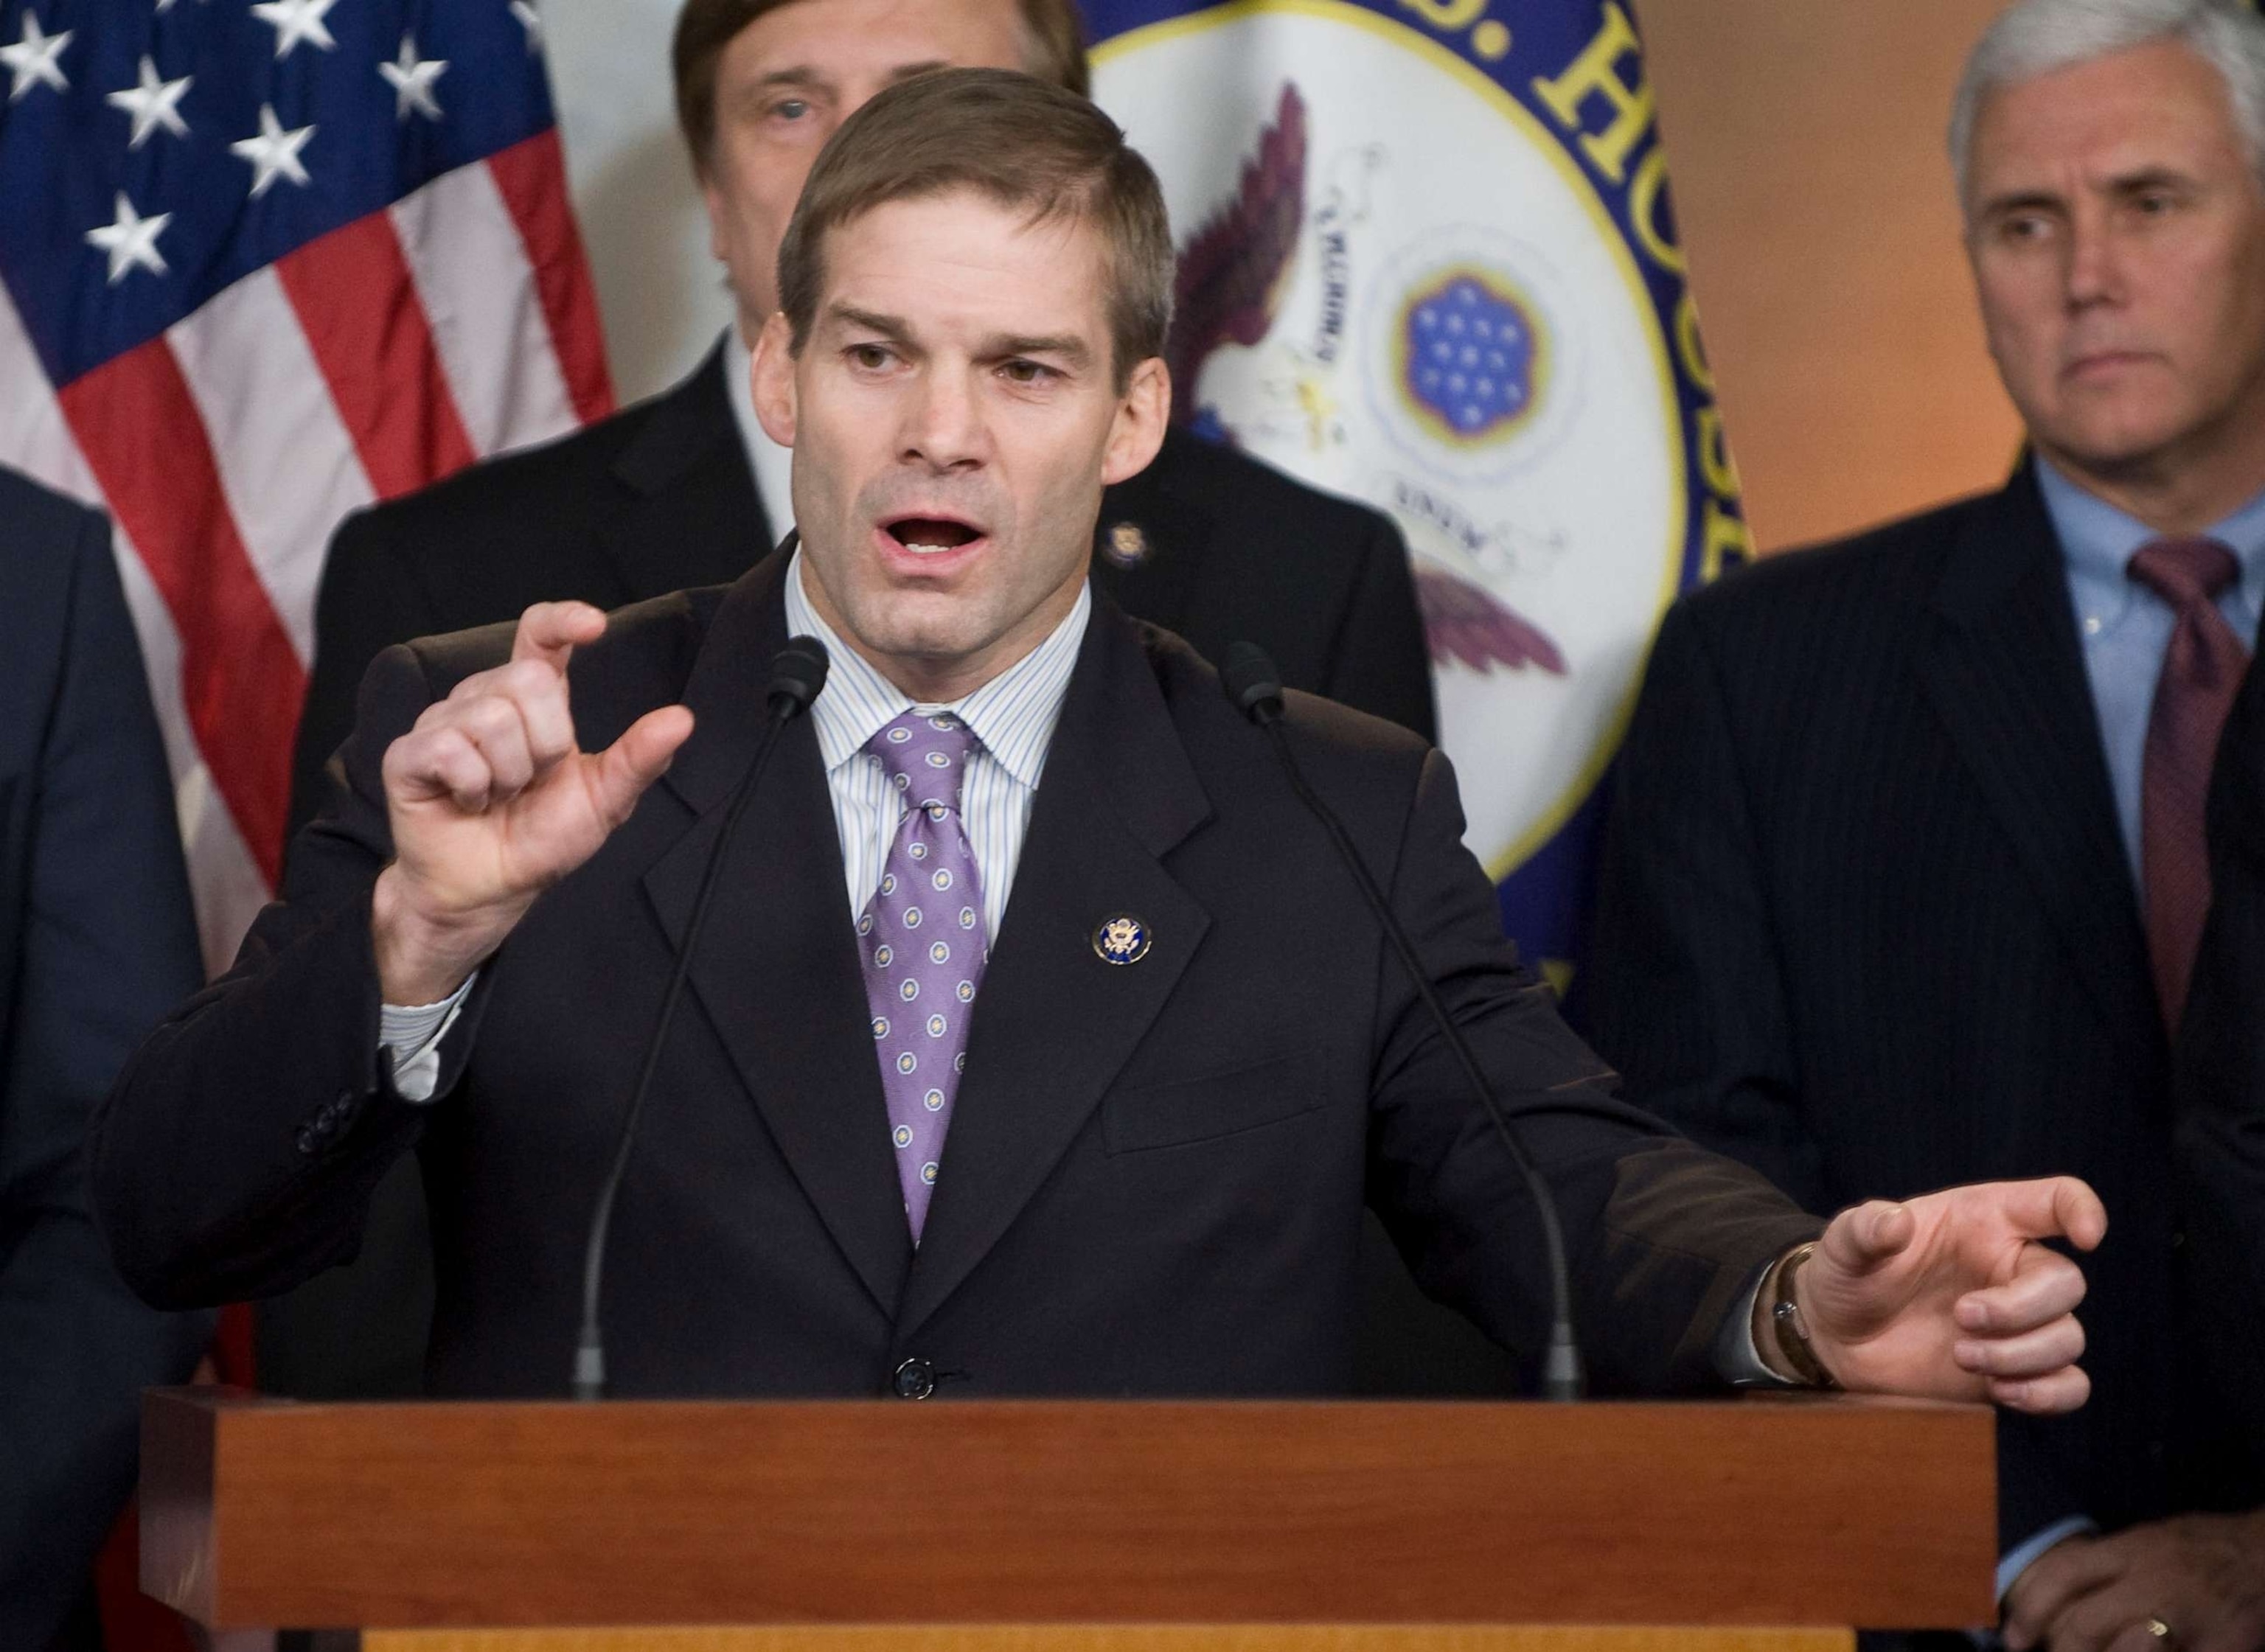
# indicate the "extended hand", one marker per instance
pixel 2201 1576
pixel 1950 1296
pixel 492 801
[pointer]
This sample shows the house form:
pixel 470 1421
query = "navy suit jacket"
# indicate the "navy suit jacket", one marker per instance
pixel 1156 1174
pixel 96 943
pixel 1205 543
pixel 1867 923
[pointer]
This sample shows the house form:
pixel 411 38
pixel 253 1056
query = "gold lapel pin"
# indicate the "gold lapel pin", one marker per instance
pixel 1121 939
pixel 1127 546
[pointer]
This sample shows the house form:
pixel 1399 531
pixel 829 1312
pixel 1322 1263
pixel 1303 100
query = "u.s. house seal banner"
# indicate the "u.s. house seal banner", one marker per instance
pixel 1427 259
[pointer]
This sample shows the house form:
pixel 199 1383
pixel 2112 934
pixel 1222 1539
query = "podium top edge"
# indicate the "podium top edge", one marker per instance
pixel 220 1398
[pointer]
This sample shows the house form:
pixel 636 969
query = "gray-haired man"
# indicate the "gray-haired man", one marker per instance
pixel 1908 873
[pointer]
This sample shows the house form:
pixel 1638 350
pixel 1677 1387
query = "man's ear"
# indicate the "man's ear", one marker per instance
pixel 774 375
pixel 1137 430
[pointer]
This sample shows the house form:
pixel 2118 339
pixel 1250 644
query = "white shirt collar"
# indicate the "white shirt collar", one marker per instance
pixel 773 465
pixel 1013 714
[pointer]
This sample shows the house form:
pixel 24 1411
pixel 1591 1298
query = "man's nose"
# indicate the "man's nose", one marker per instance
pixel 943 421
pixel 2095 260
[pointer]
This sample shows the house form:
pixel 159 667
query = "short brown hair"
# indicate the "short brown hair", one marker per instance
pixel 1054 49
pixel 1017 141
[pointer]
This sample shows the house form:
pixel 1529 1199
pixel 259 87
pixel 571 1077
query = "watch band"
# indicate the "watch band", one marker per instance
pixel 1792 1329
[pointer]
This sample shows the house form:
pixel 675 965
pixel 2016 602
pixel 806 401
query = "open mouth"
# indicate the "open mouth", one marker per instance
pixel 926 535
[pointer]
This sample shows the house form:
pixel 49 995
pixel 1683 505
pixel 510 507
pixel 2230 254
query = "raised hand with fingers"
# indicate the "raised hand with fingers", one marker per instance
pixel 491 801
pixel 1950 1296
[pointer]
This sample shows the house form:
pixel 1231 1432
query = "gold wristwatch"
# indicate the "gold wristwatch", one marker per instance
pixel 1792 1329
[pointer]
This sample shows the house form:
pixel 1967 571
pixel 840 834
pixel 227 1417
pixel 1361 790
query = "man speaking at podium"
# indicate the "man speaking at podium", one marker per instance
pixel 1036 1041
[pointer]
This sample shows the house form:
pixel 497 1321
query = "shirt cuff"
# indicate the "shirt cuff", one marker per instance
pixel 1736 1360
pixel 411 1035
pixel 2026 1553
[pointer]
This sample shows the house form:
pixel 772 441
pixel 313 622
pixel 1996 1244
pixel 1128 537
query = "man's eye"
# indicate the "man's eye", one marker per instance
pixel 1027 372
pixel 790 108
pixel 872 357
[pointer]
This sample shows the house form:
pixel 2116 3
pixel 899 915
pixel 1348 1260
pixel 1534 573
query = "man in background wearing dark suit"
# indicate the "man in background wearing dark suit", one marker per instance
pixel 96 941
pixel 1036 1042
pixel 686 490
pixel 1906 866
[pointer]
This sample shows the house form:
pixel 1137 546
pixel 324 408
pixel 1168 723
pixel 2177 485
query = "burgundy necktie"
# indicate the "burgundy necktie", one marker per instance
pixel 2202 670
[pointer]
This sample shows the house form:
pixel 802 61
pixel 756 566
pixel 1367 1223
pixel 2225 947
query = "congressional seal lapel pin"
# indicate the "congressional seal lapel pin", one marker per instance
pixel 1121 939
pixel 1126 546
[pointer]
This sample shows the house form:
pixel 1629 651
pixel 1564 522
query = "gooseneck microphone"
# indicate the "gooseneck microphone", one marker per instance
pixel 798 675
pixel 1254 688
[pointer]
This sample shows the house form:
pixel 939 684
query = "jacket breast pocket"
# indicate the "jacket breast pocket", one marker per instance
pixel 1262 1091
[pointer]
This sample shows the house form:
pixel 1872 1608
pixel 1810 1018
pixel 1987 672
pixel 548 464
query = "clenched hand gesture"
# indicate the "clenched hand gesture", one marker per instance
pixel 1950 1296
pixel 492 801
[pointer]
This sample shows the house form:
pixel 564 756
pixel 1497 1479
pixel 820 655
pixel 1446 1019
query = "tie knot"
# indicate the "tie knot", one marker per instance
pixel 925 756
pixel 2183 572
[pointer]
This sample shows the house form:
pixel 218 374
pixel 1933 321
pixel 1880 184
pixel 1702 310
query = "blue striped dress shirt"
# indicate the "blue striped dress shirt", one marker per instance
pixel 1012 717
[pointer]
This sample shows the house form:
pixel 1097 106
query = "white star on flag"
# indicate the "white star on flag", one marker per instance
pixel 274 153
pixel 33 56
pixel 154 103
pixel 531 20
pixel 296 20
pixel 131 241
pixel 411 81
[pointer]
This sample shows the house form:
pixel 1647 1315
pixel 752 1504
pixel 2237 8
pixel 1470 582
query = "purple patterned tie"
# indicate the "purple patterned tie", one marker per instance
pixel 922 942
pixel 2202 669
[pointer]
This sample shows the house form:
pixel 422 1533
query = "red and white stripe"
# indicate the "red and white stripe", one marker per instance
pixel 458 324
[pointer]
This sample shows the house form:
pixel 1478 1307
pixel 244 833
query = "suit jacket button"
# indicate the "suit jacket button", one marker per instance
pixel 916 1380
pixel 307 1140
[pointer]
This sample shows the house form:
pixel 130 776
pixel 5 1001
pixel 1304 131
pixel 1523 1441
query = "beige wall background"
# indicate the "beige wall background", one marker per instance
pixel 1805 149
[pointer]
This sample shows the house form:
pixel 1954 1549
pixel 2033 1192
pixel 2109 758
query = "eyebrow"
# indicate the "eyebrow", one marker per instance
pixel 839 314
pixel 1068 347
pixel 2149 178
pixel 797 74
pixel 2131 183
pixel 810 75
pixel 1071 348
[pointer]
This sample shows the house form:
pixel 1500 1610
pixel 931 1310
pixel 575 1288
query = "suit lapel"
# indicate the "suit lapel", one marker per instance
pixel 2006 673
pixel 1149 539
pixel 693 518
pixel 1054 1023
pixel 777 969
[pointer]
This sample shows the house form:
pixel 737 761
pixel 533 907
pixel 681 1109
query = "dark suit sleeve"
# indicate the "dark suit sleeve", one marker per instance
pixel 2219 1089
pixel 1686 995
pixel 1663 1238
pixel 237 1154
pixel 104 944
pixel 370 598
pixel 1378 662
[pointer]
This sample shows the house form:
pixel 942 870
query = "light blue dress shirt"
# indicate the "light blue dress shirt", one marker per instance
pixel 2125 628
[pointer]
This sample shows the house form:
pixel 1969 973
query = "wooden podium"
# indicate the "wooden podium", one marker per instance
pixel 1127 1527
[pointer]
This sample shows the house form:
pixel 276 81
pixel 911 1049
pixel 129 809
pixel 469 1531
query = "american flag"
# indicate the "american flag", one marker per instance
pixel 263 262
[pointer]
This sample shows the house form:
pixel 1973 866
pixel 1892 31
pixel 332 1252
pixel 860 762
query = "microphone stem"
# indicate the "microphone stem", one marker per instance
pixel 1561 1377
pixel 590 1349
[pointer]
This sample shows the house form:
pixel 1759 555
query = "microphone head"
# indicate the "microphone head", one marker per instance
pixel 1253 686
pixel 798 675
